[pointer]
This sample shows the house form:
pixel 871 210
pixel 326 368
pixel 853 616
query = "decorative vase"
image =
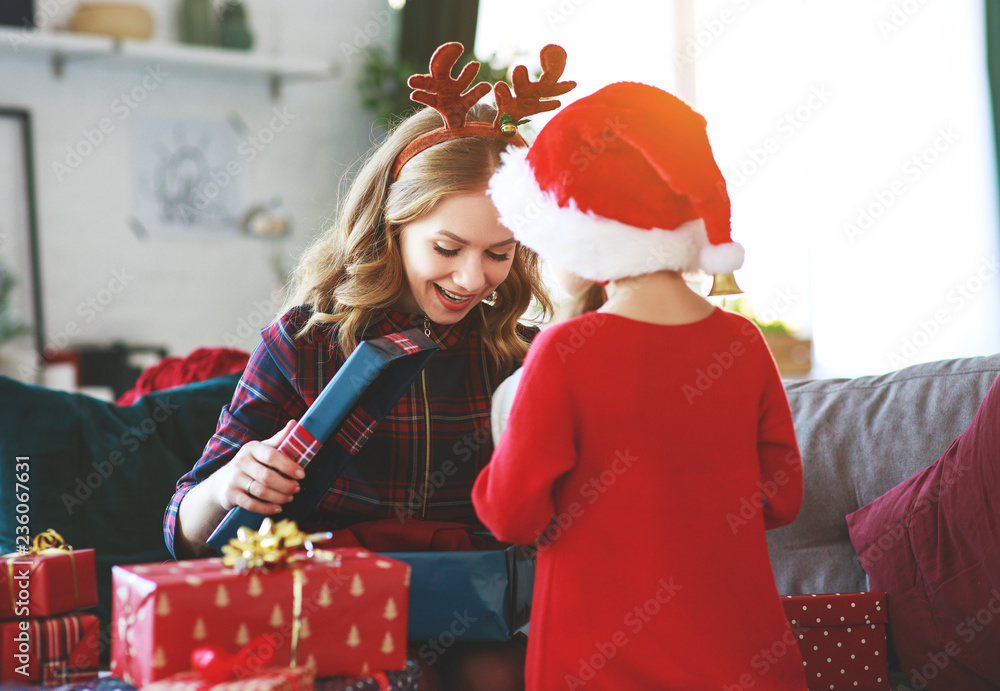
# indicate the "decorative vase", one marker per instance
pixel 233 29
pixel 196 22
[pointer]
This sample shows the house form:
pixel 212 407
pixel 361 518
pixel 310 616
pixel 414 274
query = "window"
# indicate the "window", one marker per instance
pixel 856 141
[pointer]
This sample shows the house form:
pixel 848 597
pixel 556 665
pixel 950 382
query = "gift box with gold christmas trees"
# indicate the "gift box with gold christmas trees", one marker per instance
pixel 341 612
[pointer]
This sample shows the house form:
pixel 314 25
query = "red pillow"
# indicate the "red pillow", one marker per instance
pixel 932 543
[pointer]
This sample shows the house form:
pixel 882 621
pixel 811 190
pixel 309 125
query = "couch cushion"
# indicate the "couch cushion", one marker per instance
pixel 859 438
pixel 931 543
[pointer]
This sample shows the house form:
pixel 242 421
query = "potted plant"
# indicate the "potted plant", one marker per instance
pixel 792 354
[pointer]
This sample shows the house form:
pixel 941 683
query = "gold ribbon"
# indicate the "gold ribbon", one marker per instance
pixel 296 614
pixel 274 546
pixel 45 543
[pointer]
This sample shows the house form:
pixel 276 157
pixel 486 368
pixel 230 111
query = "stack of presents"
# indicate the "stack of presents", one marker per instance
pixel 46 636
pixel 280 613
pixel 275 613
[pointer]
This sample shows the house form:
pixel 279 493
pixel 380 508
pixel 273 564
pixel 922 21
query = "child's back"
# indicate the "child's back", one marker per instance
pixel 650 443
pixel 643 441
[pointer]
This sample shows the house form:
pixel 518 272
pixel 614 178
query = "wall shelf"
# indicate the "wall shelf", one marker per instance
pixel 61 48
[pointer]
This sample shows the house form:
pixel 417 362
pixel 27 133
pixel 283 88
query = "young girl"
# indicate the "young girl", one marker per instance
pixel 418 243
pixel 643 431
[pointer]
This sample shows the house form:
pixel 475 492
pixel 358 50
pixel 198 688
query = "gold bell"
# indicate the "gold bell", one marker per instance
pixel 724 284
pixel 508 129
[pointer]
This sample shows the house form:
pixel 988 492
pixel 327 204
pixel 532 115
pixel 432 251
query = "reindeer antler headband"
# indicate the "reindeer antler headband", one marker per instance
pixel 448 96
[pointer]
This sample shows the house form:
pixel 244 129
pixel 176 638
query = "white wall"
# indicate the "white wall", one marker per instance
pixel 102 282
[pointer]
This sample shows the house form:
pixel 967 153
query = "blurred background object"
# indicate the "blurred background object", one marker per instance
pixel 270 220
pixel 17 13
pixel 234 32
pixel 118 20
pixel 197 22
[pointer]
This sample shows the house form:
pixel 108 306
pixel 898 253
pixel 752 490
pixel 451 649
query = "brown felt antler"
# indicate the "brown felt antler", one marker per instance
pixel 442 92
pixel 528 94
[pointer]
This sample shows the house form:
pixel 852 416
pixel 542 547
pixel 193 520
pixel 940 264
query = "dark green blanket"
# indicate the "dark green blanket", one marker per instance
pixel 100 474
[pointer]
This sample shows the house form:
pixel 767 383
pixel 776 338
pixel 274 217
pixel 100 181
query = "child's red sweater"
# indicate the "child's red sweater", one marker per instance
pixel 648 460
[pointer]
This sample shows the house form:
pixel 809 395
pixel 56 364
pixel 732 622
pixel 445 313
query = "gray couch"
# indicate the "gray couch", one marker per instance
pixel 860 438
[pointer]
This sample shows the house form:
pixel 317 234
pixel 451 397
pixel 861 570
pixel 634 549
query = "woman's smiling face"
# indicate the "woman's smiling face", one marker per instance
pixel 454 257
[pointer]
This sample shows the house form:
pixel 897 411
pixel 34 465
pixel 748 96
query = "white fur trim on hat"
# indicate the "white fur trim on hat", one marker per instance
pixel 588 245
pixel 722 259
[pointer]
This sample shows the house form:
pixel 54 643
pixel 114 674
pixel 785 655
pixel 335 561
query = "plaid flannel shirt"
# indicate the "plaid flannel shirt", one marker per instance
pixel 423 457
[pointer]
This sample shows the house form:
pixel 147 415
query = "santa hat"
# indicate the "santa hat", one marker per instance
pixel 620 183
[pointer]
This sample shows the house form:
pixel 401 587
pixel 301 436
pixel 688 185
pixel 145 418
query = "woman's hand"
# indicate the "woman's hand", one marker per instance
pixel 259 477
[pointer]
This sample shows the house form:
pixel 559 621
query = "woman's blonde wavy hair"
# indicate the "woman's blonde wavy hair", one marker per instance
pixel 355 268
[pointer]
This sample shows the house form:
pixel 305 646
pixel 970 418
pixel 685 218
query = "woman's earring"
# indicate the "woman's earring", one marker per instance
pixel 492 298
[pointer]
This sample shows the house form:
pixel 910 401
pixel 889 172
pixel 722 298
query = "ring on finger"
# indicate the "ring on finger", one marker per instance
pixel 249 485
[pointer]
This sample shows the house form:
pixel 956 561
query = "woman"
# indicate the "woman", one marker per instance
pixel 421 248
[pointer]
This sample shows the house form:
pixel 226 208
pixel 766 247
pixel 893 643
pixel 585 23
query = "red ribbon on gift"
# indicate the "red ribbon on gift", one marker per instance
pixel 215 665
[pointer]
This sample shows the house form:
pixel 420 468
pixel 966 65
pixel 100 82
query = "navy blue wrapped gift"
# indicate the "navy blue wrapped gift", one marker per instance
pixel 469 595
pixel 364 389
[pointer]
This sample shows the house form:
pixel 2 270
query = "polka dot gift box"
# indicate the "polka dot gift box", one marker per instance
pixel 842 640
pixel 341 613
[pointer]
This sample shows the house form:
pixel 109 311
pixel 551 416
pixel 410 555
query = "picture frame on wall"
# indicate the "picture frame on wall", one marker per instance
pixel 19 246
pixel 20 13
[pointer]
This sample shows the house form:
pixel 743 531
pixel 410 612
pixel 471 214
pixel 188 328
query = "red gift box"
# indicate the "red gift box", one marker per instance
pixel 53 650
pixel 345 612
pixel 53 582
pixel 299 678
pixel 842 639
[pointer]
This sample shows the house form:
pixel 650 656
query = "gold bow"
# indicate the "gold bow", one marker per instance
pixel 275 545
pixel 49 542
pixel 46 542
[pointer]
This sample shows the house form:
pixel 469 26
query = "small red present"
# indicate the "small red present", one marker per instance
pixel 842 639
pixel 52 650
pixel 273 679
pixel 342 612
pixel 248 670
pixel 49 579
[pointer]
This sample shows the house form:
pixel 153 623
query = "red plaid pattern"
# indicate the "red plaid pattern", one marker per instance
pixel 301 445
pixel 355 431
pixel 408 346
pixel 62 649
pixel 419 462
